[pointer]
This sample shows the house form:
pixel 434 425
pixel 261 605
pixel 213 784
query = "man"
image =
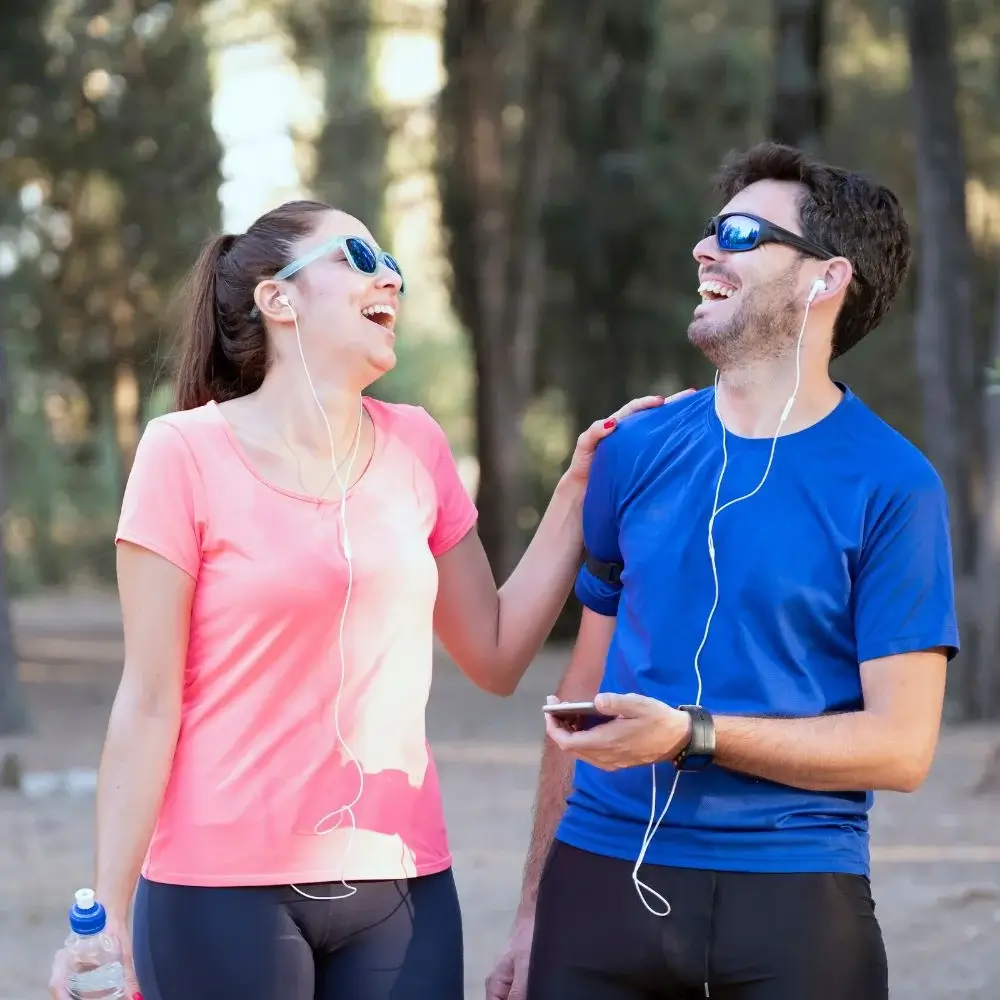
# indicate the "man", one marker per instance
pixel 769 550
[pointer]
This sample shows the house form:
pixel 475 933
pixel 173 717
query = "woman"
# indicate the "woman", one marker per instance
pixel 286 550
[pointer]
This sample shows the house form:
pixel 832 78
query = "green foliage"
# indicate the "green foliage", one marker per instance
pixel 627 209
pixel 117 168
pixel 871 130
pixel 655 93
pixel 109 175
pixel 636 185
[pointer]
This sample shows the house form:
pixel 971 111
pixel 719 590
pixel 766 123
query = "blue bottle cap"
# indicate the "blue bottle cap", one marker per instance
pixel 86 915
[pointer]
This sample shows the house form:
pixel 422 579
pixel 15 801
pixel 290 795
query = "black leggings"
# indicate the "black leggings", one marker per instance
pixel 745 936
pixel 389 941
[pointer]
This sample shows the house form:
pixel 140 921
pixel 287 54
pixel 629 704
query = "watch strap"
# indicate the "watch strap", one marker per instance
pixel 700 747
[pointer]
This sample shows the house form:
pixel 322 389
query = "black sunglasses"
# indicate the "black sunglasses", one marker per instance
pixel 738 232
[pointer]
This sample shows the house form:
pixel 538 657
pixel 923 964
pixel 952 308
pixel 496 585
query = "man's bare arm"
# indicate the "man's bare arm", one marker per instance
pixel 554 785
pixel 889 745
pixel 580 682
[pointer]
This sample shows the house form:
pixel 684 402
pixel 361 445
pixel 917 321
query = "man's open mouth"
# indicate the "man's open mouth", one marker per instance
pixel 713 291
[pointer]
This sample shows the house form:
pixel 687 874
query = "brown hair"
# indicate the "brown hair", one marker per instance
pixel 223 348
pixel 849 215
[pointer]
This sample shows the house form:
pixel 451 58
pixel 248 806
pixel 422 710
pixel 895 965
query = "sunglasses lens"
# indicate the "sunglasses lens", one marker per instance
pixel 393 265
pixel 361 254
pixel 738 233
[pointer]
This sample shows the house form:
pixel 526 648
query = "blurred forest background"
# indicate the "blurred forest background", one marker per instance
pixel 541 168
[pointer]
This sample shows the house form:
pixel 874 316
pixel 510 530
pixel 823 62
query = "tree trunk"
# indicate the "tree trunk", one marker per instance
pixel 492 194
pixel 946 350
pixel 339 38
pixel 612 184
pixel 13 705
pixel 605 196
pixel 798 110
pixel 987 593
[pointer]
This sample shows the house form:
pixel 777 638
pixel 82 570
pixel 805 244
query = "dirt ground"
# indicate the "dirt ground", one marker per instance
pixel 936 853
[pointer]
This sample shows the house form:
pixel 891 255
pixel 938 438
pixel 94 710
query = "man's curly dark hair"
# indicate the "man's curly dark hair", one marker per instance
pixel 844 212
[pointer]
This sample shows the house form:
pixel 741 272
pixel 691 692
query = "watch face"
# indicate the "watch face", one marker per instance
pixel 694 762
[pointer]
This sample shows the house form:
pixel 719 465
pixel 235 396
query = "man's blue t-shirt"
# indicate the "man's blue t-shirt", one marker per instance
pixel 843 556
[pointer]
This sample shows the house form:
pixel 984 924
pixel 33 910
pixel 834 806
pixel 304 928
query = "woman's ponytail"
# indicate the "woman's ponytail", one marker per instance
pixel 223 342
pixel 198 373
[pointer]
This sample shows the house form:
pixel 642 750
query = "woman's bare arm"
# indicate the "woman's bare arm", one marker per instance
pixel 145 718
pixel 493 635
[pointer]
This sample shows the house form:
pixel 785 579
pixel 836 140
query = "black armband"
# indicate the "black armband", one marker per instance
pixel 606 572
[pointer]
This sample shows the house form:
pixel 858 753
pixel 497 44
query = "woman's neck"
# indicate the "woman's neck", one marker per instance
pixel 294 410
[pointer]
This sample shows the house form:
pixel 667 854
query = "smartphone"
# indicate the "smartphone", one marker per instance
pixel 576 715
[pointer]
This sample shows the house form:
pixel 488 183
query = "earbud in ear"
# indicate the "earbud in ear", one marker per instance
pixel 819 285
pixel 282 300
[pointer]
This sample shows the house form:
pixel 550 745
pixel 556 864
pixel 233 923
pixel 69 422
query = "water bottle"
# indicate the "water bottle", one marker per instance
pixel 95 971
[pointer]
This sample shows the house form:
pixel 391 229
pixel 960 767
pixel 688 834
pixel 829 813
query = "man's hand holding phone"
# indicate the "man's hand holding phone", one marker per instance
pixel 621 730
pixel 574 716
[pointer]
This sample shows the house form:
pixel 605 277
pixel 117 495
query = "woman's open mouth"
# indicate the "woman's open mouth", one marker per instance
pixel 380 313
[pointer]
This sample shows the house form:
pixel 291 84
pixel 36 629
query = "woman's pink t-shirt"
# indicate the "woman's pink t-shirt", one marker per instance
pixel 258 763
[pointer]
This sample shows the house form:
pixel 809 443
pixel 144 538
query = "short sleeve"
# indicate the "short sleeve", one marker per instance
pixel 600 532
pixel 163 506
pixel 904 592
pixel 456 513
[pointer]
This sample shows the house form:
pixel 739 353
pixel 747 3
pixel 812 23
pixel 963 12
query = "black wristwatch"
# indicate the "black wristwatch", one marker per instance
pixel 700 749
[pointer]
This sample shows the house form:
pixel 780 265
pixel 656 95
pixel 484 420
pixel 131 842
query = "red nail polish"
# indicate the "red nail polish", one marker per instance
pixel 609 423
pixel 136 996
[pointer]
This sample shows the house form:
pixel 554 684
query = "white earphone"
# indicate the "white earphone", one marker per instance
pixel 333 819
pixel 644 890
pixel 819 285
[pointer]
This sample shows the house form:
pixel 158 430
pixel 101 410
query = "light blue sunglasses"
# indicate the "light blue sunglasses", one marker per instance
pixel 359 254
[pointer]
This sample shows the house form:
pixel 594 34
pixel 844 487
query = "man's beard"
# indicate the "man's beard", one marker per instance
pixel 764 327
